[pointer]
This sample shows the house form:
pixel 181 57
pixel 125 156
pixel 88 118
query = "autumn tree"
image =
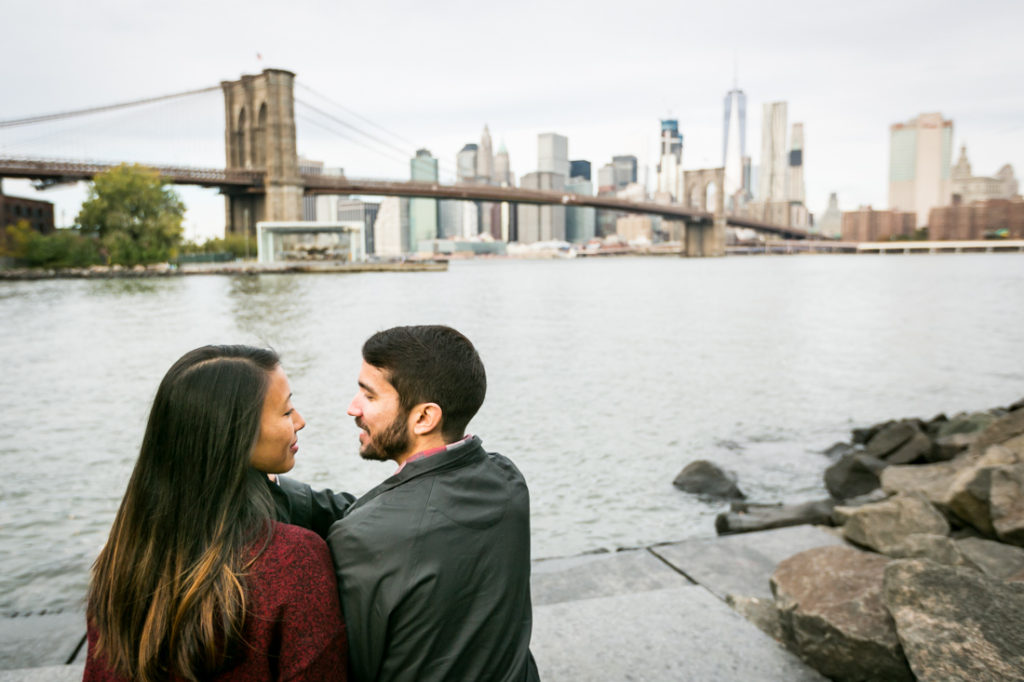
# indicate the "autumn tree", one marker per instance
pixel 135 216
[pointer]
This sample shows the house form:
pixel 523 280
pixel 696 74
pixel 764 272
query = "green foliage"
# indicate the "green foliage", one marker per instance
pixel 134 215
pixel 62 249
pixel 236 244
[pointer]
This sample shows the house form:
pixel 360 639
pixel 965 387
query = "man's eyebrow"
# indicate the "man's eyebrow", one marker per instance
pixel 366 388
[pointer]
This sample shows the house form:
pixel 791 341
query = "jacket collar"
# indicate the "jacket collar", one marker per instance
pixel 455 458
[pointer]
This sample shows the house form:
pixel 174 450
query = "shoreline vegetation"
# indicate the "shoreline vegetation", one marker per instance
pixel 930 581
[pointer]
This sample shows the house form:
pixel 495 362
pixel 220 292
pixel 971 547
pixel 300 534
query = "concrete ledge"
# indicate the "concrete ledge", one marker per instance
pixel 674 635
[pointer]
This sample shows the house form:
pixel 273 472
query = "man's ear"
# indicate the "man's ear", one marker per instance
pixel 426 419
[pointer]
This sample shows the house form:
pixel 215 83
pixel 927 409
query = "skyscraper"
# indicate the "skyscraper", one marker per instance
pixel 423 213
pixel 485 159
pixel 670 158
pixel 920 152
pixel 795 182
pixel 625 170
pixel 553 154
pixel 465 163
pixel 774 166
pixel 734 146
pixel 579 169
pixel 502 168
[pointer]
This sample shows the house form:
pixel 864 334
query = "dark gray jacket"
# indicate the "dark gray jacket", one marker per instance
pixel 433 567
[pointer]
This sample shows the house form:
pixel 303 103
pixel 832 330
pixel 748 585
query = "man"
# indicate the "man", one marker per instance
pixel 433 564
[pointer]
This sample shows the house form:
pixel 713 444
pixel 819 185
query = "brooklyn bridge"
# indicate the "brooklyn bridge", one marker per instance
pixel 262 181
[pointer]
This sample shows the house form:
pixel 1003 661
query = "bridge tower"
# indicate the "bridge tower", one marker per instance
pixel 259 134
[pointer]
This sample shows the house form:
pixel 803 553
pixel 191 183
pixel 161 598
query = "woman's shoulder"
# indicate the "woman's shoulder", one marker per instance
pixel 288 540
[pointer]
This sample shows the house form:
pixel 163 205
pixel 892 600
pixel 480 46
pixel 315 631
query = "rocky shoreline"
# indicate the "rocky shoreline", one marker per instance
pixel 235 268
pixel 929 584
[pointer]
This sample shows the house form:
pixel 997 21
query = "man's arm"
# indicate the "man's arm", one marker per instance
pixel 300 505
pixel 361 572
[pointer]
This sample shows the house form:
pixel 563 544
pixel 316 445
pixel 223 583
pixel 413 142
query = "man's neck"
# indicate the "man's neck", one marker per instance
pixel 431 442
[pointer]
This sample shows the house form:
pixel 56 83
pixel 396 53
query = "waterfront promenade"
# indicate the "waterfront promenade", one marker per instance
pixel 655 614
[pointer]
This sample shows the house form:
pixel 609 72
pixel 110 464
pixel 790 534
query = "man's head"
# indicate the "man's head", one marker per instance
pixel 419 384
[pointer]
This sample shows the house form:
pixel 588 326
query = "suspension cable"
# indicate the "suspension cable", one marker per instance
pixel 29 120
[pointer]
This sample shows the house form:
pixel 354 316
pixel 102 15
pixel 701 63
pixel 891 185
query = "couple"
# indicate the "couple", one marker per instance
pixel 204 575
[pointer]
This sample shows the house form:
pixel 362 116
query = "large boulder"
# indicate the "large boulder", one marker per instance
pixel 744 518
pixel 886 523
pixel 853 475
pixel 701 477
pixel 917 449
pixel 932 481
pixel 966 423
pixel 941 549
pixel 996 559
pixel 1002 430
pixel 955 623
pixel 830 606
pixel 889 438
pixel 990 493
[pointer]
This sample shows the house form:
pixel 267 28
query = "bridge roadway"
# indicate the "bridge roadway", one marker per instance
pixel 235 181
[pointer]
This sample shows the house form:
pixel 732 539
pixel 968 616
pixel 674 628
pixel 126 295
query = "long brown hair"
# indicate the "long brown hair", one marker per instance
pixel 168 591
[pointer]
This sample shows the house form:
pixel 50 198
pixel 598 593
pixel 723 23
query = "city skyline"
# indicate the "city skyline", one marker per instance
pixel 848 77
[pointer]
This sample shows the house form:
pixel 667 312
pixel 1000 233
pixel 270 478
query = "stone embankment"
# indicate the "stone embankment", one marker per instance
pixel 238 268
pixel 929 583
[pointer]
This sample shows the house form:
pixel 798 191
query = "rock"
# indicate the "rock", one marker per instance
pixel 932 427
pixel 938 548
pixel 704 478
pixel 966 423
pixel 744 518
pixel 932 481
pixel 853 475
pixel 863 435
pixel 761 612
pixel 955 623
pixel 890 438
pixel 1006 503
pixel 993 558
pixel 970 493
pixel 1016 406
pixel 917 448
pixel 1000 431
pixel 838 449
pixel 948 447
pixel 841 512
pixel 830 606
pixel 882 524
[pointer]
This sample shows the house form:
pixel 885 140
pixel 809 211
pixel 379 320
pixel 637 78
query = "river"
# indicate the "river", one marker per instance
pixel 606 377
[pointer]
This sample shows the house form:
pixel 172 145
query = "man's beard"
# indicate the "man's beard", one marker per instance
pixel 389 443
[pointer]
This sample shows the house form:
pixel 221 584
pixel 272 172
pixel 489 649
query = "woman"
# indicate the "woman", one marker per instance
pixel 196 580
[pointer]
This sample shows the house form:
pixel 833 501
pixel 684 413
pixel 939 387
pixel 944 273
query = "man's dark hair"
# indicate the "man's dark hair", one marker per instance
pixel 431 364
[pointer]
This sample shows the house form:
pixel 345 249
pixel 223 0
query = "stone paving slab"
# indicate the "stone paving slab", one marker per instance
pixel 677 635
pixel 742 564
pixel 52 673
pixel 600 575
pixel 40 640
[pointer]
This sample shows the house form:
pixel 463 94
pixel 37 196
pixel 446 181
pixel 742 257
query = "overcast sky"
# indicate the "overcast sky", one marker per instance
pixel 601 73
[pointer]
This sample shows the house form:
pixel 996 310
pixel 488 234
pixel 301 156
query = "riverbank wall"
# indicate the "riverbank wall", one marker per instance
pixel 236 268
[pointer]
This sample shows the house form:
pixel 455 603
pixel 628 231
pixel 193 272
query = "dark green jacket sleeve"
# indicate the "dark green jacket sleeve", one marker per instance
pixel 298 504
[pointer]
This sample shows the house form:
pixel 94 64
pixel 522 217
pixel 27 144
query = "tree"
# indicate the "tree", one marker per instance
pixel 62 249
pixel 135 216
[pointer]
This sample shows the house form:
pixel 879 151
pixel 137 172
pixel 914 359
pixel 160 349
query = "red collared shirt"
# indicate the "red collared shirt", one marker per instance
pixel 423 454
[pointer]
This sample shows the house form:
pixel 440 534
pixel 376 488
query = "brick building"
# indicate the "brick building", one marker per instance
pixel 13 210
pixel 1002 217
pixel 869 225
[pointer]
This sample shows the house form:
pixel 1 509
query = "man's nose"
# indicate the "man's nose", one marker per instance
pixel 353 407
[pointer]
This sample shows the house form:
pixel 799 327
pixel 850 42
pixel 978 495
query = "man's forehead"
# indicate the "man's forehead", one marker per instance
pixel 374 377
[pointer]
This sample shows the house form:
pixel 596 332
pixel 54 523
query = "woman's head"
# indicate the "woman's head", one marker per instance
pixel 218 410
pixel 168 589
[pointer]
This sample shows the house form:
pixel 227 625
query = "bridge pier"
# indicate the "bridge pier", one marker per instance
pixel 259 134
